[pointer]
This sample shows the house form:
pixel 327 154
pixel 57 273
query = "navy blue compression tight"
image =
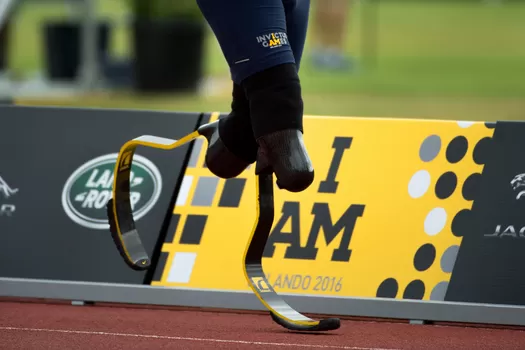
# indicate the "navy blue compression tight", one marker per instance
pixel 262 42
pixel 257 34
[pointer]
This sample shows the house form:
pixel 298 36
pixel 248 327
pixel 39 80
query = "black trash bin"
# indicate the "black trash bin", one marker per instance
pixel 168 54
pixel 63 48
pixel 4 45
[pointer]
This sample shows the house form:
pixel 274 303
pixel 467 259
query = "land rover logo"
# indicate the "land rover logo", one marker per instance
pixel 88 190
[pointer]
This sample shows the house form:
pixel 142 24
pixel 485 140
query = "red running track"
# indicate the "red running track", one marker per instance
pixel 53 326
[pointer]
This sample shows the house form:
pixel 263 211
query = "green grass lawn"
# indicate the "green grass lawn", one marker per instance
pixel 451 60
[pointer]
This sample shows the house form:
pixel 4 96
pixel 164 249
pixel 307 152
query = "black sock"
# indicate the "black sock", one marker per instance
pixel 275 100
pixel 236 128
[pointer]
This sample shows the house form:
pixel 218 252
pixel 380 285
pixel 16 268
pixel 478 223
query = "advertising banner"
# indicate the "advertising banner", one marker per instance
pixel 56 177
pixel 378 221
pixel 488 266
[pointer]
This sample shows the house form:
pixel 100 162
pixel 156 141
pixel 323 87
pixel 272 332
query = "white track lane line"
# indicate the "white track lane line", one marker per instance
pixel 297 345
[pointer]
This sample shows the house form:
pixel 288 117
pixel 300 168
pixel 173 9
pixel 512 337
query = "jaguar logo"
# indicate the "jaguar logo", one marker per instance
pixel 6 190
pixel 518 185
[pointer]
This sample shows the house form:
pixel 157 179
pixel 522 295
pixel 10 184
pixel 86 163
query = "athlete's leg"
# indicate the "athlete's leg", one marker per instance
pixel 232 147
pixel 256 45
pixel 235 146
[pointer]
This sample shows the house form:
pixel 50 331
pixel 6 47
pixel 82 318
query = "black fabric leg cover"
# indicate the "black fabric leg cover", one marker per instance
pixel 236 128
pixel 275 100
pixel 276 109
pixel 231 145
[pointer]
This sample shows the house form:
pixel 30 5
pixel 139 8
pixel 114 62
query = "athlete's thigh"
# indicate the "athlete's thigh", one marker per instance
pixel 252 34
pixel 297 12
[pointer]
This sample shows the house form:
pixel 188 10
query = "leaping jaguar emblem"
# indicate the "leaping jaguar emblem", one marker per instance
pixel 518 184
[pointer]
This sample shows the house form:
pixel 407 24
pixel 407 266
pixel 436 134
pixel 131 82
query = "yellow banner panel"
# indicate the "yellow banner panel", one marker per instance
pixel 377 221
